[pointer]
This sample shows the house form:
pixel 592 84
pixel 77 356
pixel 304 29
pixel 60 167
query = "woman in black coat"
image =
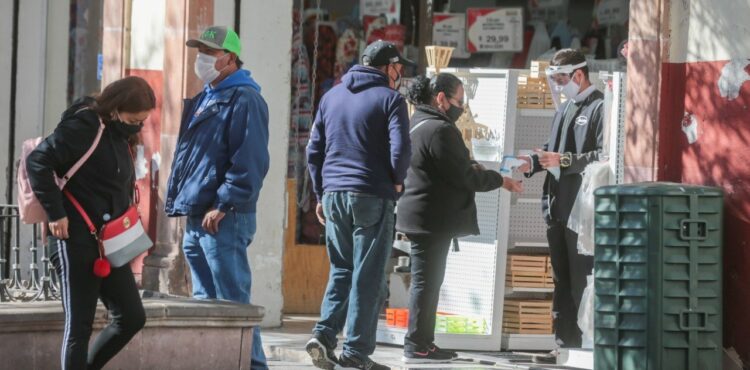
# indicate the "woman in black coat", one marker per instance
pixel 438 203
pixel 104 187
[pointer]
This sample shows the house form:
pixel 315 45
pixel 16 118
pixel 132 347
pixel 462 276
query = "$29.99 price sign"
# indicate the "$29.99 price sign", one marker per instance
pixel 494 29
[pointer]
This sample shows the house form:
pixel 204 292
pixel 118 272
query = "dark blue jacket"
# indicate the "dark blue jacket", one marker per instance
pixel 222 155
pixel 360 138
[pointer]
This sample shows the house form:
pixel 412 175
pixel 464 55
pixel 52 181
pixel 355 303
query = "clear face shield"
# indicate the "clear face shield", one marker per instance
pixel 559 79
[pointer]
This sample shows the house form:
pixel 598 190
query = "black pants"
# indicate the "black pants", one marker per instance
pixel 429 254
pixel 80 289
pixel 569 273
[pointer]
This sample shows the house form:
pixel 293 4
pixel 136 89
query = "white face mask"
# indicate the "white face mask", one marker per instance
pixel 571 89
pixel 205 67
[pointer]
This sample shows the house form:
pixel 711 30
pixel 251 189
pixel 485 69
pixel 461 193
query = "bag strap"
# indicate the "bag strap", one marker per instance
pixel 82 212
pixel 85 156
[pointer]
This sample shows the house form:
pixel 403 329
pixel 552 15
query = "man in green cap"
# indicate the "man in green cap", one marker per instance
pixel 219 164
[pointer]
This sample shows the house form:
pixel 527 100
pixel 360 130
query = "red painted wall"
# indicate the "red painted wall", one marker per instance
pixel 151 137
pixel 720 157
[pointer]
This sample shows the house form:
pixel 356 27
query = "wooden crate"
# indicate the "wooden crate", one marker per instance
pixel 527 317
pixel 528 84
pixel 539 69
pixel 528 271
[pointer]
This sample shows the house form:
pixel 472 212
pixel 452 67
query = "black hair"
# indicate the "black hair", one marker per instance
pixel 572 57
pixel 423 89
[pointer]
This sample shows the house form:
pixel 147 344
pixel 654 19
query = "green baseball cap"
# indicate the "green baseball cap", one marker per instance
pixel 218 37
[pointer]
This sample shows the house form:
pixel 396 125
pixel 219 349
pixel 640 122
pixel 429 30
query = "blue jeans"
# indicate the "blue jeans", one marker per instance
pixel 359 238
pixel 219 266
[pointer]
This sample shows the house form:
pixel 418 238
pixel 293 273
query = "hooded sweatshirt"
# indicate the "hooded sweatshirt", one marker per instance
pixel 360 137
pixel 221 156
pixel 103 185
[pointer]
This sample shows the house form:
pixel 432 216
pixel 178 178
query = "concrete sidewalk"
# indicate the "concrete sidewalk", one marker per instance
pixel 285 349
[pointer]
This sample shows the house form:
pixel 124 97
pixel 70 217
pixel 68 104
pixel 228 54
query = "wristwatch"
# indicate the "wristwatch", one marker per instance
pixel 566 159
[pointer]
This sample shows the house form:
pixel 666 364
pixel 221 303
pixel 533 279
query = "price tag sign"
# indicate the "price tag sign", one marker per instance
pixel 450 30
pixel 612 12
pixel 390 8
pixel 494 29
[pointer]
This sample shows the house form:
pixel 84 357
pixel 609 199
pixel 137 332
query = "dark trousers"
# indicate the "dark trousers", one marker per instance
pixel 569 273
pixel 429 254
pixel 80 289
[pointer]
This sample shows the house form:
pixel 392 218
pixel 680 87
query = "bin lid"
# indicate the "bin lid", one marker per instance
pixel 659 188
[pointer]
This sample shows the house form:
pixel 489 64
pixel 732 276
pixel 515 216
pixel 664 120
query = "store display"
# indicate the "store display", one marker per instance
pixel 449 30
pixel 347 52
pixel 397 317
pixel 438 56
pixel 529 271
pixel 391 9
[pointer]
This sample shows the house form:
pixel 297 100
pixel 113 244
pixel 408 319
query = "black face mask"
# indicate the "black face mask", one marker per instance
pixel 124 129
pixel 454 112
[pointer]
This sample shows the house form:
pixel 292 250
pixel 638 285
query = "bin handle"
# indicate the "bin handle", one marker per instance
pixel 687 225
pixel 685 320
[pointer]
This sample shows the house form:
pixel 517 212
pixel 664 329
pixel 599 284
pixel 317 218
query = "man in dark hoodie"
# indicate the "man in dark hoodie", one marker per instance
pixel 358 155
pixel 219 164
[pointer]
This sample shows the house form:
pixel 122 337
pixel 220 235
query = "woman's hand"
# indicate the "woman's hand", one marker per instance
pixel 513 186
pixel 59 228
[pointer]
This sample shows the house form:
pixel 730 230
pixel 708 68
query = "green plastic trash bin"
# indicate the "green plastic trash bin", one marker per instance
pixel 658 277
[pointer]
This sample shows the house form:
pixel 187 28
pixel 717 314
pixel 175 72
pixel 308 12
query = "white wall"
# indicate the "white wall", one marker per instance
pixel 56 68
pixel 266 34
pixel 709 30
pixel 224 13
pixel 147 35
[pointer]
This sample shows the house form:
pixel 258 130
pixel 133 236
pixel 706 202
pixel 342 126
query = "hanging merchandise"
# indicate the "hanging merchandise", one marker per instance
pixel 562 33
pixel 301 104
pixel 494 29
pixel 449 29
pixel 326 56
pixel 374 27
pixel 391 9
pixel 612 12
pixel 540 43
pixel 548 11
pixel 347 51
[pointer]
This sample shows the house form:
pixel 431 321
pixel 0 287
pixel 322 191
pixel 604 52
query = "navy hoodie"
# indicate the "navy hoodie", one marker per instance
pixel 360 138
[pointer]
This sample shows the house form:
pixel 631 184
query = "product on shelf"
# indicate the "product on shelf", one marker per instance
pixel 529 271
pixel 527 317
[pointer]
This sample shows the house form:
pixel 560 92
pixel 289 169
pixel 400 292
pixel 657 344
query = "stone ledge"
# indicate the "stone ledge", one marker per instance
pixel 180 333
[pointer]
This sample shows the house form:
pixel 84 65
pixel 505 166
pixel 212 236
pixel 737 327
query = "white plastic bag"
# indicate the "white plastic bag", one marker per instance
pixel 581 219
pixel 586 314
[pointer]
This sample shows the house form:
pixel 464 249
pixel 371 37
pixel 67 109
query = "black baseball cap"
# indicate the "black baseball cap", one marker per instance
pixel 381 53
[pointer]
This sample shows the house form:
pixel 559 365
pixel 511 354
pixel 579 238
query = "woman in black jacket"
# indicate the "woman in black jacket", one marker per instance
pixel 438 203
pixel 104 188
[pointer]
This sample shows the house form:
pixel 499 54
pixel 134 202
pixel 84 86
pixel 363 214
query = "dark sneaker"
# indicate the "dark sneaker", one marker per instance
pixel 321 354
pixel 350 363
pixel 426 357
pixel 545 358
pixel 434 348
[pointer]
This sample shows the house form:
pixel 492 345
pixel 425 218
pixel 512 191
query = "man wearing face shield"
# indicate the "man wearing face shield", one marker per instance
pixel 574 142
pixel 358 154
pixel 219 164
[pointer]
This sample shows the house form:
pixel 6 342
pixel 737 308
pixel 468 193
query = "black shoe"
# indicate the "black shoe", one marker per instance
pixel 427 357
pixel 434 348
pixel 546 358
pixel 347 363
pixel 321 353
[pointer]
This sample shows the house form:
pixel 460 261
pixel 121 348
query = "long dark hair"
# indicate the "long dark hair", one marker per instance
pixel 130 94
pixel 424 89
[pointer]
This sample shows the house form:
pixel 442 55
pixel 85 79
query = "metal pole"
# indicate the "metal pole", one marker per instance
pixel 16 282
pixel 47 292
pixel 34 283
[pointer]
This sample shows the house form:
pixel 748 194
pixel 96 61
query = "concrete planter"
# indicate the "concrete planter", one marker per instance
pixel 180 333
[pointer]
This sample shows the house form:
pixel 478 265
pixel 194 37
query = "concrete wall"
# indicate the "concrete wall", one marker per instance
pixel 6 28
pixel 266 34
pixel 704 132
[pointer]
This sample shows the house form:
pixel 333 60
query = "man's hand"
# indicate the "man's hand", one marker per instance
pixel 548 159
pixel 513 186
pixel 526 166
pixel 319 213
pixel 211 220
pixel 399 188
pixel 59 228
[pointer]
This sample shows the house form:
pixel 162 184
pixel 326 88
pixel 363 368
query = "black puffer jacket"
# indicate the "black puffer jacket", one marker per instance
pixel 103 185
pixel 441 182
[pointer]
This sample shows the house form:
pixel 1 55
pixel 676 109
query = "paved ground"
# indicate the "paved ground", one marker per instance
pixel 285 349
